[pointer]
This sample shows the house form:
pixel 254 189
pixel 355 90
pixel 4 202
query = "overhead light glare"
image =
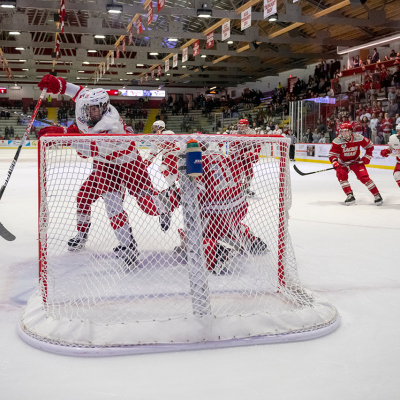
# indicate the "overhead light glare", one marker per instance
pixel 8 3
pixel 172 39
pixel 214 87
pixel 157 79
pixel 230 42
pixel 20 48
pixel 168 74
pixel 369 44
pixel 86 62
pixel 25 69
pixel 14 33
pixel 81 72
pixel 92 51
pixel 203 56
pixel 139 65
pixel 99 37
pixel 154 54
pixel 183 66
pixel 22 60
pixel 273 18
pixel 204 11
pixel 114 8
pixel 129 73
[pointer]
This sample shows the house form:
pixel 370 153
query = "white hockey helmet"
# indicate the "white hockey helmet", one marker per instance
pixel 398 127
pixel 394 143
pixel 93 106
pixel 158 125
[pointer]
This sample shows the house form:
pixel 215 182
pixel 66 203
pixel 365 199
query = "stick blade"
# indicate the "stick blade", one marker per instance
pixel 298 171
pixel 6 234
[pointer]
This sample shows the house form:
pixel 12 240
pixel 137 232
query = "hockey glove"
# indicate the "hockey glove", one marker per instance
pixel 52 84
pixel 386 152
pixel 51 129
pixel 365 161
pixel 335 164
pixel 72 129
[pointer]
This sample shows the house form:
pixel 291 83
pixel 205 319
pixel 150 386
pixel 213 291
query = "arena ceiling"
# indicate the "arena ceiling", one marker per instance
pixel 307 31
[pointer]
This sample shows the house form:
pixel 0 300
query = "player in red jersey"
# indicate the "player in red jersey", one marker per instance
pixel 394 149
pixel 223 206
pixel 345 157
pixel 116 165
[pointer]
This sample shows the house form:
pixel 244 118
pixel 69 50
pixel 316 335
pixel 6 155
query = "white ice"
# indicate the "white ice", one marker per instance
pixel 347 254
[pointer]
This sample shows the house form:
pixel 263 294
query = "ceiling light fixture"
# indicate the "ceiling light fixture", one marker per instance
pixel 81 72
pixel 114 8
pixel 99 37
pixel 369 44
pixel 183 66
pixel 14 33
pixel 139 65
pixel 129 73
pixel 8 3
pixel 154 54
pixel 20 48
pixel 204 11
pixel 172 39
pixel 86 62
pixel 25 69
pixel 273 18
pixel 92 51
pixel 22 60
pixel 230 42
pixel 203 56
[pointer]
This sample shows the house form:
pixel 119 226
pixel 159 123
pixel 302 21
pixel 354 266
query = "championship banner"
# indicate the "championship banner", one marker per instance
pixel 246 19
pixel 226 30
pixel 130 36
pixel 159 70
pixel 150 14
pixel 175 61
pixel 269 8
pixel 104 68
pixel 108 62
pixel 196 48
pixel 152 74
pixel 100 72
pixel 118 51
pixel 166 65
pixel 57 45
pixel 141 80
pixel 123 44
pixel 160 5
pixel 112 57
pixel 210 40
pixel 146 78
pixel 139 25
pixel 184 54
pixel 62 15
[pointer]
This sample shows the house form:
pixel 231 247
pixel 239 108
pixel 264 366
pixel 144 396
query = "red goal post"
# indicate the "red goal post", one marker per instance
pixel 222 274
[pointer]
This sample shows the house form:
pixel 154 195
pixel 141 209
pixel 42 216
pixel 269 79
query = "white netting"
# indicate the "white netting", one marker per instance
pixel 134 251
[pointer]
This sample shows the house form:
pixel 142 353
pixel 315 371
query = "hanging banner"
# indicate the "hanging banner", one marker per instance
pixel 159 70
pixel 210 40
pixel 184 54
pixel 100 72
pixel 196 48
pixel 152 74
pixel 141 80
pixel 175 61
pixel 130 36
pixel 139 25
pixel 150 14
pixel 246 19
pixel 123 44
pixel 166 65
pixel 104 68
pixel 226 30
pixel 146 78
pixel 269 8
pixel 160 5
pixel 112 57
pixel 108 63
pixel 118 51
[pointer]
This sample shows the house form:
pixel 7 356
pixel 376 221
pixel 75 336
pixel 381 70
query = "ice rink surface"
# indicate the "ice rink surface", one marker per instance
pixel 347 254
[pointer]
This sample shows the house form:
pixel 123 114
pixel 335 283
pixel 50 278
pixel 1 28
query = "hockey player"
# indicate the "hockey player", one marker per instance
pixel 223 206
pixel 394 149
pixel 345 157
pixel 169 164
pixel 115 165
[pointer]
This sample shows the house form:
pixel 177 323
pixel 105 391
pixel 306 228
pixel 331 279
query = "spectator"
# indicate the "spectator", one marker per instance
pixel 322 138
pixel 396 77
pixel 375 57
pixel 373 124
pixel 392 55
pixel 17 137
pixel 316 136
pixel 11 131
pixel 393 109
pixel 366 130
pixel 3 114
pixel 392 95
pixel 7 132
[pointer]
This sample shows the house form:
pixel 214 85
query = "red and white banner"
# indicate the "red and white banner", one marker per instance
pixel 141 80
pixel 118 51
pixel 104 68
pixel 108 63
pixel 112 57
pixel 196 48
pixel 123 44
pixel 210 40
pixel 57 45
pixel 175 61
pixel 152 74
pixel 269 8
pixel 246 19
pixel 166 65
pixel 146 78
pixel 62 15
pixel 139 25
pixel 149 14
pixel 184 54
pixel 130 36
pixel 226 30
pixel 161 4
pixel 159 70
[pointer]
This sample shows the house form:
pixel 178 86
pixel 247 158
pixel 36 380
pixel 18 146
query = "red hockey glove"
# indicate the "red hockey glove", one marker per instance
pixel 72 129
pixel 365 161
pixel 335 164
pixel 50 129
pixel 52 84
pixel 386 152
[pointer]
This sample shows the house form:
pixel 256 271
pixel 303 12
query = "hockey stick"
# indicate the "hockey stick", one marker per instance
pixel 309 173
pixel 11 169
pixel 6 234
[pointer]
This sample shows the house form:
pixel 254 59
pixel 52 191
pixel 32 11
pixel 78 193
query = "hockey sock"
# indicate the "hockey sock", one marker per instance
pixel 82 221
pixel 371 187
pixel 346 187
pixel 118 217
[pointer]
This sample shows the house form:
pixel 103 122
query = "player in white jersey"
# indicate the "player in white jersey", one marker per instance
pixel 116 165
pixel 394 149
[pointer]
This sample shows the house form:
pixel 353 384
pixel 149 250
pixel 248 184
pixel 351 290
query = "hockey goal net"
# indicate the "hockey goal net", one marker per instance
pixel 138 256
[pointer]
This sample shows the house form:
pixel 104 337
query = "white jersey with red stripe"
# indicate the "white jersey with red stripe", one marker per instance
pixel 112 152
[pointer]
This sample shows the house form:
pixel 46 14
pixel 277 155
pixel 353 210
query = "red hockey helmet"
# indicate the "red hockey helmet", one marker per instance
pixel 243 125
pixel 346 130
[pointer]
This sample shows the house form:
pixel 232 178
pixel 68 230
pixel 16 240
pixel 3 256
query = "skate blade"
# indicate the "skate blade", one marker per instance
pixel 379 203
pixel 77 248
pixel 350 203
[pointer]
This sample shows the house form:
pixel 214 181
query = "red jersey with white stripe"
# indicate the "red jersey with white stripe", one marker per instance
pixel 356 126
pixel 348 152
pixel 386 125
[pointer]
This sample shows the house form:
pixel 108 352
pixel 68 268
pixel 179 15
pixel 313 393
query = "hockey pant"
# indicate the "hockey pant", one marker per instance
pixel 396 173
pixel 342 174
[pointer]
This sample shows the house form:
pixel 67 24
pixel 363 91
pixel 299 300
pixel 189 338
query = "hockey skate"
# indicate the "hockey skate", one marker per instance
pixel 350 199
pixel 221 259
pixel 78 242
pixel 165 221
pixel 258 247
pixel 378 199
pixel 128 254
pixel 250 193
